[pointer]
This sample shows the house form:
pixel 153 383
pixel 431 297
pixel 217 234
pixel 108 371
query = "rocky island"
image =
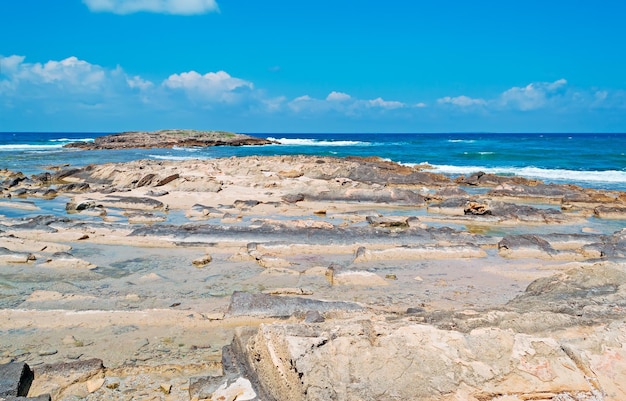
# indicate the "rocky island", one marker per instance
pixel 169 139
pixel 309 278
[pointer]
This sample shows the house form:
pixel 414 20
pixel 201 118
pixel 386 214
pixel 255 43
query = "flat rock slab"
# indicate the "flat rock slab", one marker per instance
pixel 372 360
pixel 247 304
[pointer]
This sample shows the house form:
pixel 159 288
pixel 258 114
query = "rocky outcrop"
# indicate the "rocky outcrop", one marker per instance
pixel 169 139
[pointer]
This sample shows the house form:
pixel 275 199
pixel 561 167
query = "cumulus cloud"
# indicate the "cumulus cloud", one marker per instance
pixel 385 104
pixel 67 77
pixel 342 103
pixel 461 101
pixel 213 86
pixel 338 96
pixel 177 7
pixel 532 96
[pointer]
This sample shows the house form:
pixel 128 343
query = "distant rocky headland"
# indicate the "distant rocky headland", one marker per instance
pixel 169 139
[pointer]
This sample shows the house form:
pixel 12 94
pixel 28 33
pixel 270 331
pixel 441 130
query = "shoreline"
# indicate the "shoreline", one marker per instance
pixel 172 242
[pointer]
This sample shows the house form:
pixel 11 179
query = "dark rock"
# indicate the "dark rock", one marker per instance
pixel 59 176
pixel 15 379
pixel 167 180
pixel 247 304
pixel 132 202
pixel 241 204
pixel 169 139
pixel 74 187
pixel 146 180
pixel 608 212
pixel 524 242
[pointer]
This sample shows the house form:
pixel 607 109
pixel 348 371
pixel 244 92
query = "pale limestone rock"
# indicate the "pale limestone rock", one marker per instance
pixel 94 385
pixel 420 253
pixel 359 278
pixel 364 359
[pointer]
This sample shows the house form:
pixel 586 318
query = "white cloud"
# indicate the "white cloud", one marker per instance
pixel 532 96
pixel 178 7
pixel 461 101
pixel 210 87
pixel 137 82
pixel 338 96
pixel 385 104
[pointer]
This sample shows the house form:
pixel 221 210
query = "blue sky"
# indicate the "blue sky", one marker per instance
pixel 313 66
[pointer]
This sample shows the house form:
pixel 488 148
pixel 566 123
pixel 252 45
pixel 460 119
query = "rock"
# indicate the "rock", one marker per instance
pixel 8 256
pixel 395 221
pixel 420 253
pixel 270 262
pixel 169 139
pixel 47 352
pixel 94 384
pixel 525 246
pixel 293 198
pixel 607 212
pixel 202 261
pixel 247 304
pixel 145 218
pixel 133 202
pixel 15 379
pixel 359 278
pixel 313 317
pixel 166 388
pixel 58 377
pixel 167 180
pixel 335 361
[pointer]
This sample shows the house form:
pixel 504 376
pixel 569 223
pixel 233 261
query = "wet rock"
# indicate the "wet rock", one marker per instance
pixel 247 304
pixel 132 202
pixel 145 218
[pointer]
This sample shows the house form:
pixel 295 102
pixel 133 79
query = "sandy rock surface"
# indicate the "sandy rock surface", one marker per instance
pixel 306 278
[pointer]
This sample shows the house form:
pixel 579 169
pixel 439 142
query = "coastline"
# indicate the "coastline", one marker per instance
pixel 156 250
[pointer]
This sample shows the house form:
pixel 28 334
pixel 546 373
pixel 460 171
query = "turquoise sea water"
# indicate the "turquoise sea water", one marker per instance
pixel 591 160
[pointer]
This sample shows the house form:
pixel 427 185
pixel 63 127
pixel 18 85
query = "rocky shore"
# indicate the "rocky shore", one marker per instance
pixel 309 278
pixel 169 139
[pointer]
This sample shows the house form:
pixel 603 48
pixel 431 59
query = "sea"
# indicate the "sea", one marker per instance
pixel 589 160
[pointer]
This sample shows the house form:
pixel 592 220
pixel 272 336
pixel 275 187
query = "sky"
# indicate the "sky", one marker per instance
pixel 291 66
